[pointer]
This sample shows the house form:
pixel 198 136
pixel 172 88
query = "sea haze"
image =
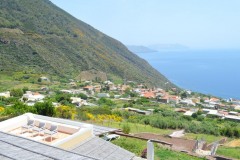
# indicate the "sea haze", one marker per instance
pixel 214 72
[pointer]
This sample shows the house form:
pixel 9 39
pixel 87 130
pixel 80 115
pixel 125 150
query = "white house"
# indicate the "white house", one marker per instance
pixel 5 94
pixel 188 113
pixel 33 96
pixel 187 102
pixel 78 101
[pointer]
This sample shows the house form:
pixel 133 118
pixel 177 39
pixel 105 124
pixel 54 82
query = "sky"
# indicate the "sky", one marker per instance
pixel 198 24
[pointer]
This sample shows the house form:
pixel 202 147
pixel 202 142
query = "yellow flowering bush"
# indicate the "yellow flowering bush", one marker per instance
pixel 1 109
pixel 90 116
pixel 65 112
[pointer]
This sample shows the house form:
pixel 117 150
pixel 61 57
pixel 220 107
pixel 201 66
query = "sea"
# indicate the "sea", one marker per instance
pixel 213 72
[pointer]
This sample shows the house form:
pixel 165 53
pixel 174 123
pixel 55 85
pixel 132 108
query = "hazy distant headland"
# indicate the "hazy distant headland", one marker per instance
pixel 157 48
pixel 140 49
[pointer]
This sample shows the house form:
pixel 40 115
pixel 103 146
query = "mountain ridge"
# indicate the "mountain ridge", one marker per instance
pixel 38 36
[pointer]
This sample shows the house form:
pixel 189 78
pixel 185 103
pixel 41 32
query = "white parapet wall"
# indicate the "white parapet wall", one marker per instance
pixel 13 123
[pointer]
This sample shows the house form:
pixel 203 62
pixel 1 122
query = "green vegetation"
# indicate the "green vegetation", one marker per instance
pixel 36 37
pixel 45 108
pixel 133 145
pixel 166 154
pixel 126 129
pixel 82 96
pixel 166 118
pixel 66 112
pixel 105 101
pixel 137 146
pixel 137 128
pixel 208 138
pixel 232 152
pixel 17 109
pixel 16 92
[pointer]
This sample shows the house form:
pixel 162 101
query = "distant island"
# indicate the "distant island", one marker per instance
pixel 140 49
pixel 156 48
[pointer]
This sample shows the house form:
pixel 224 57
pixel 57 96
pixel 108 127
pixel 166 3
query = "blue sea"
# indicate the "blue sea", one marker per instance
pixel 214 72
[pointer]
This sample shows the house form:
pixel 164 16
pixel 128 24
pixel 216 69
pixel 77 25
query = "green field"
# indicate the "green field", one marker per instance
pixel 166 154
pixel 232 152
pixel 137 146
pixel 208 138
pixel 137 128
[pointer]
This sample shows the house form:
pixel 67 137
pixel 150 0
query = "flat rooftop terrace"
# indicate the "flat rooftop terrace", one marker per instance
pixel 64 135
pixel 74 140
pixel 41 137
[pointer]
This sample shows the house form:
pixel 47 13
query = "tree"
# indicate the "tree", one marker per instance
pixel 194 115
pixel 63 98
pixel 16 92
pixel 65 112
pixel 82 96
pixel 183 94
pixel 39 80
pixel 25 89
pixel 45 108
pixel 18 108
pixel 142 100
pixel 105 101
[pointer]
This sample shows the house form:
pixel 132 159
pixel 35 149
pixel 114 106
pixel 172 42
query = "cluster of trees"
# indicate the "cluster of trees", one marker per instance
pixel 17 92
pixel 167 119
pixel 84 113
pixel 105 101
pixel 43 108
pixel 65 98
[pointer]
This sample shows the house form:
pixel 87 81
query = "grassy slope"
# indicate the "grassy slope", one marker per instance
pixel 137 128
pixel 161 153
pixel 232 152
pixel 137 146
pixel 208 138
pixel 44 38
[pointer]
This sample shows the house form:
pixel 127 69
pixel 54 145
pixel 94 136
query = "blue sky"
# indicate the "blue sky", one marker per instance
pixel 199 24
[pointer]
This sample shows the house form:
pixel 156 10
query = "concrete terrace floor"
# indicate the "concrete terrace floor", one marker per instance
pixel 39 137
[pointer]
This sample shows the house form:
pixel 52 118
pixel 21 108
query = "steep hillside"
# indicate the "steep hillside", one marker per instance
pixel 36 36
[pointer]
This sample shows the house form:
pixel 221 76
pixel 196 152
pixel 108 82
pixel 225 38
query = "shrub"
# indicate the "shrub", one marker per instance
pixel 126 129
pixel 65 112
pixel 18 108
pixel 45 108
pixel 82 96
pixel 16 92
pixel 105 101
pixel 1 109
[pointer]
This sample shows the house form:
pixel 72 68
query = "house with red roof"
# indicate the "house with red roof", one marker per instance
pixel 88 88
pixel 149 94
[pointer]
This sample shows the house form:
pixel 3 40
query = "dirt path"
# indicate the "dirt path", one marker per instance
pixel 178 143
